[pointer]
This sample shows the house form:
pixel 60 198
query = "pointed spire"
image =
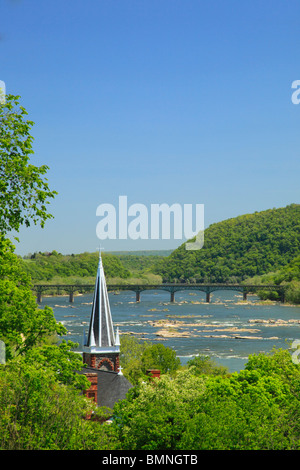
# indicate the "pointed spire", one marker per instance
pixel 101 333
pixel 117 342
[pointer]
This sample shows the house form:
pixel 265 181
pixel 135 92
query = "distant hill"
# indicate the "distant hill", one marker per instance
pixel 56 267
pixel 238 248
pixel 264 243
pixel 138 262
pixel 141 253
pixel 288 275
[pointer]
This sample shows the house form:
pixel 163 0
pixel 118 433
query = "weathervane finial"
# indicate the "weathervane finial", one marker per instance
pixel 100 248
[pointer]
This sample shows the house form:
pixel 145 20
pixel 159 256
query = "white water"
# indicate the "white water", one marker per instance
pixel 208 324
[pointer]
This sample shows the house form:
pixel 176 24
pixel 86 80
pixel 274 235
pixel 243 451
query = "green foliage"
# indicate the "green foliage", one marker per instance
pixel 40 393
pixel 137 356
pixel 290 272
pixel 157 356
pixel 292 293
pixel 22 324
pixel 47 266
pixel 238 248
pixel 257 408
pixel 131 351
pixel 205 365
pixel 140 263
pixel 155 415
pixel 62 360
pixel 288 276
pixel 23 191
pixel 39 413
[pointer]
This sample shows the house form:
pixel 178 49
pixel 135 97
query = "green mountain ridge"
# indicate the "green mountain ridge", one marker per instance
pixel 51 266
pixel 56 268
pixel 258 248
pixel 238 248
pixel 288 276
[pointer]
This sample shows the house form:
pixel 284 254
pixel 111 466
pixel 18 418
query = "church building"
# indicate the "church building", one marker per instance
pixel 101 350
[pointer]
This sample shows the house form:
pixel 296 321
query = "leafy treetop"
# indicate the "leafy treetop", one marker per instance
pixel 24 192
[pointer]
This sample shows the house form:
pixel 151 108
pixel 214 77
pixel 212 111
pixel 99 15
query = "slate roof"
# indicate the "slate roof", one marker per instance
pixel 112 386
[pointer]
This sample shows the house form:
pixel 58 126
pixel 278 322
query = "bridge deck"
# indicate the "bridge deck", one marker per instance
pixel 172 288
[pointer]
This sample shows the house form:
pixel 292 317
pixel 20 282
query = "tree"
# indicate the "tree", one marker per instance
pixel 41 406
pixel 23 198
pixel 157 356
pixel 205 365
pixel 24 192
pixel 255 409
pixel 137 356
pixel 40 413
pixel 22 324
pixel 244 246
pixel 62 360
pixel 155 415
pixel 131 352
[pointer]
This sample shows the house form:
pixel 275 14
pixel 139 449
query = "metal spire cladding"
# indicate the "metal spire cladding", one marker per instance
pixel 101 337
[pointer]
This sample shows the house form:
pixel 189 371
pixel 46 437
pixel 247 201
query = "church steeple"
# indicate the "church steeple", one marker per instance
pixel 101 347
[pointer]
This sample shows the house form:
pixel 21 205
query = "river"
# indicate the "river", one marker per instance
pixel 227 329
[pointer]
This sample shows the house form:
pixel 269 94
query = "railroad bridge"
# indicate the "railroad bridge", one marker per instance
pixel 72 289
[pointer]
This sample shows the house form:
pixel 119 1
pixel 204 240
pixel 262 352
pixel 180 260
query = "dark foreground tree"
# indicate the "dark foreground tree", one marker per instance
pixel 41 401
pixel 22 324
pixel 24 192
pixel 40 413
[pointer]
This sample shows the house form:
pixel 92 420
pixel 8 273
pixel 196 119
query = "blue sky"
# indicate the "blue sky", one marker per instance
pixel 165 101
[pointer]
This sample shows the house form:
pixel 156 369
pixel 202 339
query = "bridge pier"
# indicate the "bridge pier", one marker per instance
pixel 172 288
pixel 137 296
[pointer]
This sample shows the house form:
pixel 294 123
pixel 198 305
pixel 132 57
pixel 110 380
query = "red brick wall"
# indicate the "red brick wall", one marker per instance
pixel 92 392
pixel 153 373
pixel 109 362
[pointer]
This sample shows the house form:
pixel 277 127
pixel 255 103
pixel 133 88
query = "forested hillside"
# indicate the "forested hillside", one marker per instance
pixel 234 250
pixel 288 275
pixel 50 266
pixel 56 268
pixel 238 248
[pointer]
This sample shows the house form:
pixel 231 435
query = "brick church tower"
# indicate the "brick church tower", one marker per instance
pixel 101 347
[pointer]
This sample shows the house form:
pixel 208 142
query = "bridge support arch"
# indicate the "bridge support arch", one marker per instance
pixel 171 288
